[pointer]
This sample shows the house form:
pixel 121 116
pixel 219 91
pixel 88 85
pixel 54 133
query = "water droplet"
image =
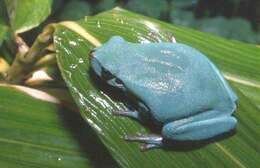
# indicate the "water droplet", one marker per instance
pixel 59 159
pixel 57 39
pixel 73 66
pixel 68 73
pixel 63 32
pixel 68 52
pixel 72 43
pixel 81 61
pixel 153 27
pixel 80 39
pixel 143 40
pixel 98 24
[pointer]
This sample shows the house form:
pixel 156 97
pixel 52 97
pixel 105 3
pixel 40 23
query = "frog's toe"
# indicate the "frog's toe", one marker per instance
pixel 149 141
pixel 170 37
pixel 145 147
pixel 145 138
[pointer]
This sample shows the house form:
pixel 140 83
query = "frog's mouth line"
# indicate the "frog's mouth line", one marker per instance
pixel 103 73
pixel 106 75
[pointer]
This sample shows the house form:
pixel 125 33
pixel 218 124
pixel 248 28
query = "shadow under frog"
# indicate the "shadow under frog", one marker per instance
pixel 172 88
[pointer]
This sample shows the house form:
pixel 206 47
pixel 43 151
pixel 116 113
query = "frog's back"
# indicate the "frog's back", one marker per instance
pixel 173 80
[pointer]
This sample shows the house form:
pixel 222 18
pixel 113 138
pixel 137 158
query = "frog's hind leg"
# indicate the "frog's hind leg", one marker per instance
pixel 226 85
pixel 149 141
pixel 198 127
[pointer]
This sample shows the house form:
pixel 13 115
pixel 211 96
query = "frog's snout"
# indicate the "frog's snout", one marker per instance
pixel 91 55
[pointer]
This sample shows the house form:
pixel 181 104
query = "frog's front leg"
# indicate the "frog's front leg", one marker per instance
pixel 135 114
pixel 149 141
pixel 198 129
pixel 128 113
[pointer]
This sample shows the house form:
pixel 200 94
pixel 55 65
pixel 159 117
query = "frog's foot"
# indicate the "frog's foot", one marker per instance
pixel 149 141
pixel 127 113
pixel 170 37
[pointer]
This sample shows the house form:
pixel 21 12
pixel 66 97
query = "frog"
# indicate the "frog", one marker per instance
pixel 173 84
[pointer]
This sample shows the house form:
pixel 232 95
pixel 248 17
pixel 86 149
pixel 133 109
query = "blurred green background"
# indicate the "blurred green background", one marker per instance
pixel 232 19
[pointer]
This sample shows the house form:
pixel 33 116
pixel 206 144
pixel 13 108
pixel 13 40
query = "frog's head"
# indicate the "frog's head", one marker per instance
pixel 103 60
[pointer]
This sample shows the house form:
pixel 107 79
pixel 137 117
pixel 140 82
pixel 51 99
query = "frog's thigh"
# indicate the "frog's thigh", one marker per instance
pixel 198 129
pixel 226 85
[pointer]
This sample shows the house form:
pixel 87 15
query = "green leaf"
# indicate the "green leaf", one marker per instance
pixel 3 32
pixel 36 133
pixel 69 12
pixel 185 4
pixel 251 92
pixel 218 24
pixel 105 5
pixel 27 14
pixel 183 18
pixel 3 23
pixel 151 8
pixel 238 61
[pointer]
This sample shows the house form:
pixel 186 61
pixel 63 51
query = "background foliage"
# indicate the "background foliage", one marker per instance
pixel 220 17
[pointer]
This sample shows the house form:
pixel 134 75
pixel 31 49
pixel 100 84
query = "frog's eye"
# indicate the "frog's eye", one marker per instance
pixel 118 81
pixel 106 75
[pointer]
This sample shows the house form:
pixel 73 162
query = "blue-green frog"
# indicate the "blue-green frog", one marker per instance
pixel 173 84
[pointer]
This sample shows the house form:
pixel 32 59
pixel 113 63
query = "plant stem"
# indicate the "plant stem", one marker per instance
pixel 26 58
pixel 49 59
